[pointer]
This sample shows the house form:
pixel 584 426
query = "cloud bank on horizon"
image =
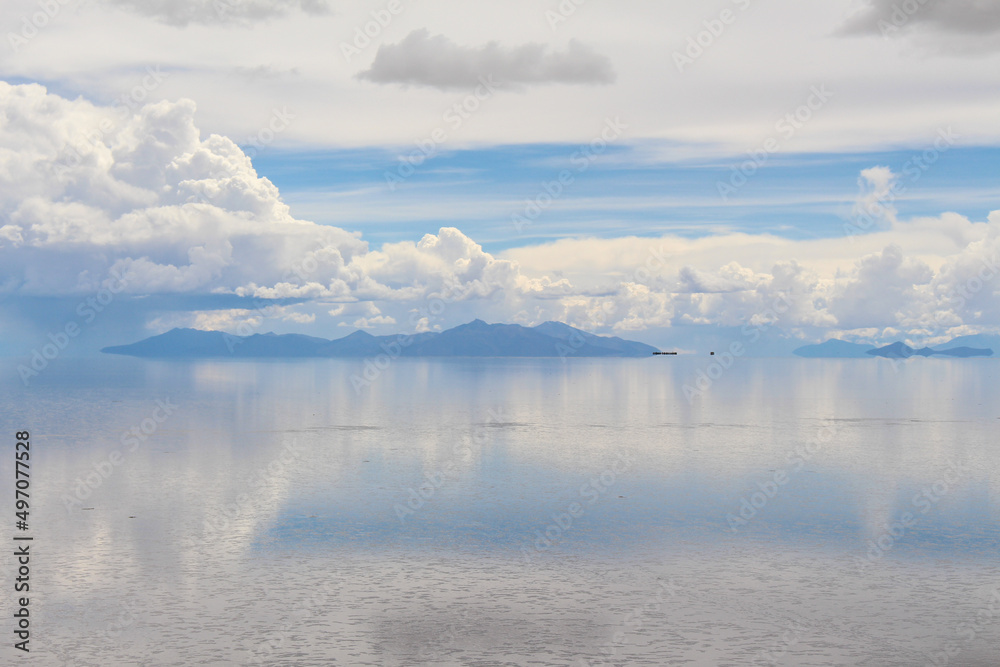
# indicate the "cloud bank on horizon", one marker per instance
pixel 98 195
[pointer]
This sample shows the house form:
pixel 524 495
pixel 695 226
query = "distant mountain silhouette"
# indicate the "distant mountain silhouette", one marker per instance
pixel 904 351
pixel 979 341
pixel 475 339
pixel 839 349
pixel 574 336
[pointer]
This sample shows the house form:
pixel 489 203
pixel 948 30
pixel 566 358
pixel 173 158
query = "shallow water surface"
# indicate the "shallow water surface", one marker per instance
pixel 513 512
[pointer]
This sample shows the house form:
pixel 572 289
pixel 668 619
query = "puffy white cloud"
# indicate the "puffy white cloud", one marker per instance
pixel 423 60
pixel 90 193
pixel 875 206
pixel 966 291
pixel 884 289
pixel 87 190
pixel 917 277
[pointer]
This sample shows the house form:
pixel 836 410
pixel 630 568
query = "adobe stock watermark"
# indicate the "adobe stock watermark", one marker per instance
pixel 130 441
pixel 902 13
pixel 786 128
pixel 32 24
pixel 960 296
pixel 714 29
pixel 391 351
pixel 631 623
pixel 867 215
pixel 643 274
pixel 418 498
pixel 779 648
pixel 588 495
pixel 123 107
pixel 224 7
pixel 581 160
pixel 87 311
pixel 563 12
pixel 265 649
pixel 921 504
pixel 754 503
pixel 280 120
pixel 375 366
pixel 265 309
pixel 364 35
pixel 967 631
pixel 327 593
pixel 433 647
pixel 453 118
pixel 126 619
pixel 707 376
pixel 220 518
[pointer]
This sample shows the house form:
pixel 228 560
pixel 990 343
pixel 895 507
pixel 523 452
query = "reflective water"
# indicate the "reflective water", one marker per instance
pixel 514 512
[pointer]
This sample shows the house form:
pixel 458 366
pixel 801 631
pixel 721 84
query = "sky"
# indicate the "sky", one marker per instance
pixel 676 172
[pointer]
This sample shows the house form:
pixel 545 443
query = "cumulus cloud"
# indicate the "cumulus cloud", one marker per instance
pixel 921 278
pixel 88 192
pixel 184 12
pixel 93 197
pixel 875 205
pixel 884 289
pixel 438 62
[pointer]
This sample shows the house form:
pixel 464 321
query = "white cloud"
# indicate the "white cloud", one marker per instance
pixel 438 62
pixel 184 215
pixel 930 274
pixel 372 322
pixel 884 289
pixel 875 205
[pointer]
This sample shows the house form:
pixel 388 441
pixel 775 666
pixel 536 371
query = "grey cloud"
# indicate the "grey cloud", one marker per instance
pixel 949 17
pixel 212 12
pixel 423 60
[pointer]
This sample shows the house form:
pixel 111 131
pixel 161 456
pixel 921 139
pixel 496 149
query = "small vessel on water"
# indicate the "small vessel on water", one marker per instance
pixel 666 353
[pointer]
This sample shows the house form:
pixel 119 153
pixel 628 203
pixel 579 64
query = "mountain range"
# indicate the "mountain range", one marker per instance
pixel 475 339
pixel 956 347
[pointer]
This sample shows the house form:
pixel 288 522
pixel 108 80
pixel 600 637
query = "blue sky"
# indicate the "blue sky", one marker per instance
pixel 222 165
pixel 620 193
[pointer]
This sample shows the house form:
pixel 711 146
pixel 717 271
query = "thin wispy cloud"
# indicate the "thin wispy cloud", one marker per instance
pixel 436 61
pixel 181 13
pixel 874 108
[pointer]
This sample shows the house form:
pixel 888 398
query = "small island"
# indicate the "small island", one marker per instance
pixel 961 347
